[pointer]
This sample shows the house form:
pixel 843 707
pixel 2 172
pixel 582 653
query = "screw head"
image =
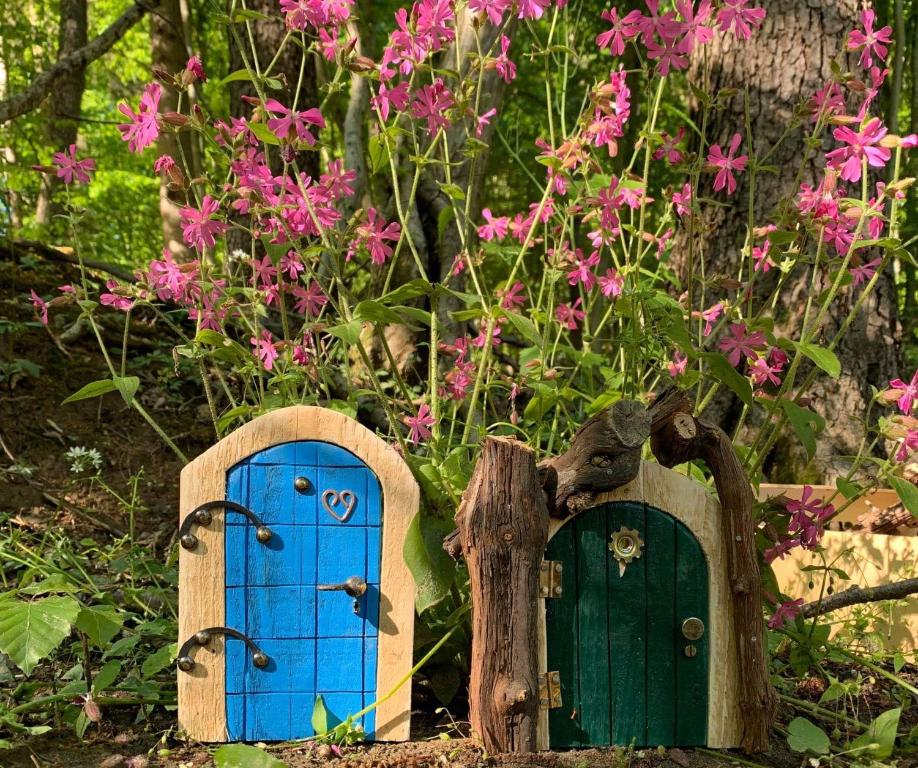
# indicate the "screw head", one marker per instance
pixel 203 517
pixel 260 659
pixel 189 541
pixel 690 651
pixel 202 637
pixel 301 484
pixel 185 663
pixel 263 534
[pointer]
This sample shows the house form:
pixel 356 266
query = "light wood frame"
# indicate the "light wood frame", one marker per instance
pixel 202 692
pixel 691 504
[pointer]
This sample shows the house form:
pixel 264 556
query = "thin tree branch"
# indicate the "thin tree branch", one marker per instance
pixel 857 595
pixel 12 247
pixel 42 85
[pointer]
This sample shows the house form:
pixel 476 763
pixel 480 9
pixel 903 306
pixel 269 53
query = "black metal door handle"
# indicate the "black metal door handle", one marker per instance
pixel 202 637
pixel 202 515
pixel 354 586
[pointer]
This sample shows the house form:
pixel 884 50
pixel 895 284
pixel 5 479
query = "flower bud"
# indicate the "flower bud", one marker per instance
pixel 176 119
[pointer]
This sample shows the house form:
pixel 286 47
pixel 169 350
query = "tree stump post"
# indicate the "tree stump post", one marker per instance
pixel 503 530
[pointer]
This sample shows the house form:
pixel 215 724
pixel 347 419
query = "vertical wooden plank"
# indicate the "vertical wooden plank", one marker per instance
pixel 593 648
pixel 660 555
pixel 691 672
pixel 561 641
pixel 627 611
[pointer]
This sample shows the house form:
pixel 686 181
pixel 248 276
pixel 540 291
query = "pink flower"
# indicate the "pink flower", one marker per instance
pixel 42 306
pixel 199 228
pixel 494 227
pixel 293 123
pixel 387 98
pixel 163 164
pixel 761 371
pixel 420 425
pixel 69 168
pixel 862 144
pixel 869 42
pixel 677 365
pixel 532 9
pixel 142 129
pixel 263 272
pixel 622 30
pixel 739 344
pixel 494 8
pixel 569 315
pixel 784 613
pixel 431 103
pixel 727 164
pixel 807 517
pixel 310 299
pixel 196 67
pixel 611 284
pixel 264 349
pixel 909 142
pixel 115 299
pixel 761 258
pixel 668 56
pixel 737 17
pixel 780 549
pixel 693 27
pixel 683 200
pixel 909 445
pixel 864 272
pixel 670 147
pixel 481 339
pixel 505 68
pixel 583 271
pixel 483 121
pixel 907 393
pixel 290 264
pixel 709 316
pixel 373 234
pixel 512 298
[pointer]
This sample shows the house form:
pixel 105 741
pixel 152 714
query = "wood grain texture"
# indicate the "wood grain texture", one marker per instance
pixel 201 694
pixel 691 504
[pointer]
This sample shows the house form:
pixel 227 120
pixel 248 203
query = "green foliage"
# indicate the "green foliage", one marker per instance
pixel 244 756
pixel 804 736
pixel 32 629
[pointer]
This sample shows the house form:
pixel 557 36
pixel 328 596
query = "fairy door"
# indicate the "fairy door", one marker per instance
pixel 309 596
pixel 628 634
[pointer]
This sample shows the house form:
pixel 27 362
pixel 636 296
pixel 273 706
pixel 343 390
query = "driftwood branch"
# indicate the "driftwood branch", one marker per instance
pixel 64 256
pixel 41 86
pixel 503 530
pixel 677 436
pixel 858 595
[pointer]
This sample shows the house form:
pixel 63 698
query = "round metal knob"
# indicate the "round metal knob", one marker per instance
pixel 185 663
pixel 260 659
pixel 692 628
pixel 202 637
pixel 263 534
pixel 203 517
pixel 301 484
pixel 189 541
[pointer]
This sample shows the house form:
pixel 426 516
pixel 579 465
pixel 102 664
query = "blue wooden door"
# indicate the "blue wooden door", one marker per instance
pixel 318 642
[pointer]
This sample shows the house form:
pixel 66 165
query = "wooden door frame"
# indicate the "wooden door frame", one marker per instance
pixel 202 692
pixel 700 512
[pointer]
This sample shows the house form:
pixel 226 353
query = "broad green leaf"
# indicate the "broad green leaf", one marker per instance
pixel 93 389
pixel 379 153
pixel 433 570
pixel 525 328
pixel 245 756
pixel 319 716
pixel 127 386
pixel 349 333
pixel 376 312
pixel 30 630
pixel 409 290
pixel 106 676
pixel 725 373
pixel 100 623
pixel 452 191
pixel 159 660
pixel 444 219
pixel 263 133
pixel 824 358
pixel 806 424
pixel 908 493
pixel 848 489
pixel 804 736
pixel 880 738
pixel 235 77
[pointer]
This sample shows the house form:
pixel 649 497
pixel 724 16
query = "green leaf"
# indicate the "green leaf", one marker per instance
pixel 451 191
pixel 410 290
pixel 375 312
pixel 881 735
pixel 29 631
pixel 100 623
pixel 234 77
pixel 444 218
pixel 106 676
pixel 349 333
pixel 433 570
pixel 127 386
pixel 245 756
pixel 158 660
pixel 848 489
pixel 525 328
pixel 725 373
pixel 263 133
pixel 908 493
pixel 806 424
pixel 93 389
pixel 379 152
pixel 824 358
pixel 319 716
pixel 804 736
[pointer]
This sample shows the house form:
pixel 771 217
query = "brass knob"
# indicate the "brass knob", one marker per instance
pixel 185 663
pixel 301 484
pixel 692 628
pixel 354 586
pixel 263 534
pixel 203 517
pixel 260 659
pixel 189 541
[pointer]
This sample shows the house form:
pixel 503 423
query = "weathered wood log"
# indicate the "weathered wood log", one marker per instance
pixel 676 437
pixel 857 595
pixel 605 454
pixel 503 530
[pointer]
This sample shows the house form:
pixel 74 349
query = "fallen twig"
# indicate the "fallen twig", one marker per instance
pixel 857 595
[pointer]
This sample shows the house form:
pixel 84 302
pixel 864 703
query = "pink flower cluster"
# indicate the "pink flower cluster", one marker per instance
pixel 805 527
pixel 740 345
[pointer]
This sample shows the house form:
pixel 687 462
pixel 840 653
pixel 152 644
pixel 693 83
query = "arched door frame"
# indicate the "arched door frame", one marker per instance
pixel 691 504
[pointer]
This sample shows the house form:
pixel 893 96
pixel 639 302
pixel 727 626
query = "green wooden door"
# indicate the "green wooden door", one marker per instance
pixel 617 640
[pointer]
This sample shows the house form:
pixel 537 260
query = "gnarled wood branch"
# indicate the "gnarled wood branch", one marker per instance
pixel 857 595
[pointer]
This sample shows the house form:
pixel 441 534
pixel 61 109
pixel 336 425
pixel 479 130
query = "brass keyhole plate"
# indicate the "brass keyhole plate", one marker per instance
pixel 626 545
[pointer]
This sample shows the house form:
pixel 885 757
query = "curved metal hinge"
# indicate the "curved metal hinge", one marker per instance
pixel 202 515
pixel 202 637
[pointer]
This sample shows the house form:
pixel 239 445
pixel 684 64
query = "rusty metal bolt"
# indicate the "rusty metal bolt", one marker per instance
pixel 203 517
pixel 202 637
pixel 189 541
pixel 185 663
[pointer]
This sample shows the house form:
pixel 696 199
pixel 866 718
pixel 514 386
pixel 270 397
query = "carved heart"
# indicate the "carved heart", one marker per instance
pixel 331 498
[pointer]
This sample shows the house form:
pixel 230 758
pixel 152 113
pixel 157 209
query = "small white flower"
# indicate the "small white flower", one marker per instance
pixel 82 459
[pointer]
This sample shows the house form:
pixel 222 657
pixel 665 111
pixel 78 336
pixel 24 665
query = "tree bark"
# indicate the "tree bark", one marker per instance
pixel 678 437
pixel 66 100
pixel 503 527
pixel 782 65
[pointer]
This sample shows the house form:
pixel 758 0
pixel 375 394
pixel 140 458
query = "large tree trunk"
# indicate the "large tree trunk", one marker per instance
pixel 66 98
pixel 783 65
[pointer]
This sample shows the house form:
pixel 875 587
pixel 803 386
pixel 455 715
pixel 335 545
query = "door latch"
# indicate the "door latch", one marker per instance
pixel 550 690
pixel 550 572
pixel 203 637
